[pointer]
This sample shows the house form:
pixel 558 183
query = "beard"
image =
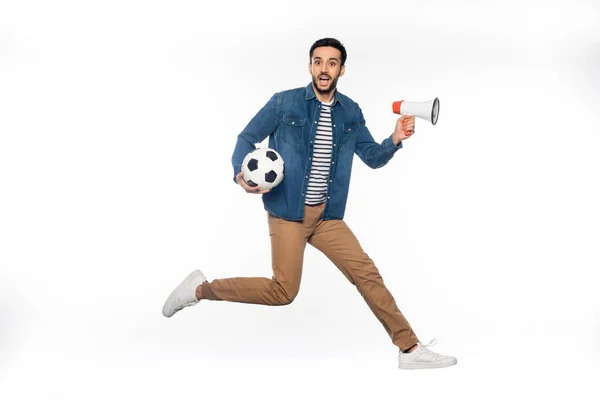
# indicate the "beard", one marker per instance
pixel 329 89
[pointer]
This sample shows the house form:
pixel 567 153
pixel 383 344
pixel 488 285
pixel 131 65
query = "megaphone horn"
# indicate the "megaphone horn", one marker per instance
pixel 428 110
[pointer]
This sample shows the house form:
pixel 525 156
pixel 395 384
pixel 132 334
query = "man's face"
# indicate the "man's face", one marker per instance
pixel 325 69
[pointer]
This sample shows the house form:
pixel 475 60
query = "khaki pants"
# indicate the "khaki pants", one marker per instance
pixel 335 239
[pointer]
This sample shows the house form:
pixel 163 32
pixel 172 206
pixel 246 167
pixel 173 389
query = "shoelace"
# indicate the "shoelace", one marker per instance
pixel 426 347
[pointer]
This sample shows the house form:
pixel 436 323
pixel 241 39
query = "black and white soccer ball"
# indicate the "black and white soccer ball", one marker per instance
pixel 263 167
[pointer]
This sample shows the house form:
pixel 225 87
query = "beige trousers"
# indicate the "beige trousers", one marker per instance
pixel 335 239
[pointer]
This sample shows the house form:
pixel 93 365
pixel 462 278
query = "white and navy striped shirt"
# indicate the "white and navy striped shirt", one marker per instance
pixel 319 173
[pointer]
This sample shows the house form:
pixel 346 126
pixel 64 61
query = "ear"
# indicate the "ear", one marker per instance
pixel 342 70
pixel 310 68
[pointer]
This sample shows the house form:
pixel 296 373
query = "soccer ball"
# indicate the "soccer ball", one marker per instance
pixel 263 167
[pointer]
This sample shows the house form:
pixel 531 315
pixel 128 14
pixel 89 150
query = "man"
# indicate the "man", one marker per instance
pixel 317 130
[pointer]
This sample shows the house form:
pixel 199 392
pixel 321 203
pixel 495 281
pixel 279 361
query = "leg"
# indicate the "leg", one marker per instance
pixel 288 242
pixel 335 239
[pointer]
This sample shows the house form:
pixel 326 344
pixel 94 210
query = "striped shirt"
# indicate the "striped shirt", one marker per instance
pixel 319 173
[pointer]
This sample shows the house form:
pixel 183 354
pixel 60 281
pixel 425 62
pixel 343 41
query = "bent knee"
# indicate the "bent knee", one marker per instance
pixel 285 295
pixel 287 298
pixel 286 301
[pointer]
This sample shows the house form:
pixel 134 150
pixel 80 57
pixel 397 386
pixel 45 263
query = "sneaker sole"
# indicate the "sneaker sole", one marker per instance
pixel 189 278
pixel 426 365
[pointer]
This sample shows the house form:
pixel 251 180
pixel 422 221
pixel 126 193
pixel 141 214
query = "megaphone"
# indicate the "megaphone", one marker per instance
pixel 428 110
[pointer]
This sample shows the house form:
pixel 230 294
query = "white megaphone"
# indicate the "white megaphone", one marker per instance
pixel 428 110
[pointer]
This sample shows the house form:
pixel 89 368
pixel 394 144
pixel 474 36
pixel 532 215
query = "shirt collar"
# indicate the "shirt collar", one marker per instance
pixel 310 94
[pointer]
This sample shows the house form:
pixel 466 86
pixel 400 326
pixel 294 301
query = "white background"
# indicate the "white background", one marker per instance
pixel 118 120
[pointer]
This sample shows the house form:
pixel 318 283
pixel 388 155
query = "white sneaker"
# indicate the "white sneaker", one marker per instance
pixel 184 295
pixel 422 358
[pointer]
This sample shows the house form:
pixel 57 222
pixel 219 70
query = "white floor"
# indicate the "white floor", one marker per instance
pixel 265 355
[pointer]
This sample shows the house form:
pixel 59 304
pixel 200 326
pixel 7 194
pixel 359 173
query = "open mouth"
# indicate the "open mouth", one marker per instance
pixel 324 79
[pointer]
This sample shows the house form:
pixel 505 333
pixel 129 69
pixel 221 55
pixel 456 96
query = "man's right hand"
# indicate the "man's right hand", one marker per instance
pixel 239 178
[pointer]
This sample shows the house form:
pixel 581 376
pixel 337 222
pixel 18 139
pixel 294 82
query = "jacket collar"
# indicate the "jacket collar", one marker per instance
pixel 310 94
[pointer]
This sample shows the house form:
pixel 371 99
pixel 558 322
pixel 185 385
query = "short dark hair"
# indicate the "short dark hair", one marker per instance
pixel 330 42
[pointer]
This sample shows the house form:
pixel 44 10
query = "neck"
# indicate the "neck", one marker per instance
pixel 324 98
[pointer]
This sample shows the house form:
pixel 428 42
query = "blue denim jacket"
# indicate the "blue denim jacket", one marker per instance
pixel 290 120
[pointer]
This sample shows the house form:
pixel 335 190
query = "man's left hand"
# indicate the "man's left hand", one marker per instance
pixel 405 127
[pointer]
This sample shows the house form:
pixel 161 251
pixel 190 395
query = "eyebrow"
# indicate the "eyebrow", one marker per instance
pixel 319 58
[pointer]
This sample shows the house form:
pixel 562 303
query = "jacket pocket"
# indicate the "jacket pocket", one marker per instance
pixel 292 129
pixel 350 130
pixel 351 127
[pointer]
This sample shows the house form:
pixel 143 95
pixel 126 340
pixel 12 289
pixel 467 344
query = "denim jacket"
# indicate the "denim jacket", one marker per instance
pixel 290 120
